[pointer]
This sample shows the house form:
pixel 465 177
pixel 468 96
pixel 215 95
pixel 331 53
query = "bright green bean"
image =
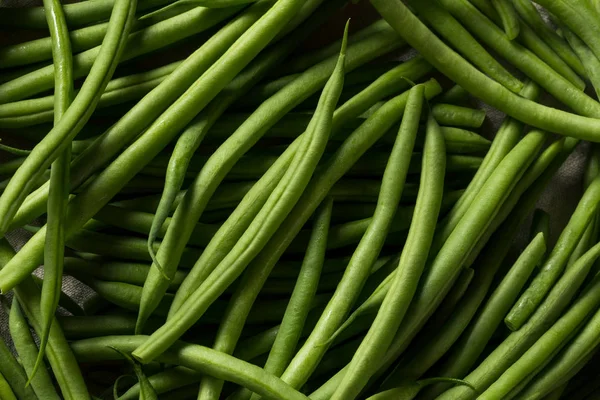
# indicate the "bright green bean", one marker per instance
pixel 410 267
pixel 10 368
pixel 531 17
pixel 120 90
pixel 27 351
pixel 141 42
pixel 58 197
pixel 76 14
pixel 549 343
pixel 5 389
pixel 307 358
pixel 157 136
pixel 509 18
pixel 148 109
pixel 199 358
pixel 565 364
pixel 74 118
pixel 517 343
pixel 461 72
pixel 272 214
pixel 65 368
pixel 506 138
pixel 241 217
pixel 556 262
pixel 448 114
pixel 191 138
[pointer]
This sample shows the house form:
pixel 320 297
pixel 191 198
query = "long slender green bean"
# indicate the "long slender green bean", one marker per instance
pixel 305 361
pixel 517 343
pixel 461 39
pixel 10 368
pixel 101 151
pixel 191 138
pixel 64 366
pixel 449 114
pixel 509 18
pixel 590 62
pixel 120 90
pixel 152 38
pixel 556 262
pixel 410 267
pixel 5 390
pixel 58 196
pixel 241 217
pixel 199 358
pixel 27 351
pixel 76 14
pixel 73 119
pixel 531 17
pixel 494 94
pixel 272 214
pixel 157 136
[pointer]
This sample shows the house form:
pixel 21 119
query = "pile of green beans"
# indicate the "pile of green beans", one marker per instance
pixel 240 199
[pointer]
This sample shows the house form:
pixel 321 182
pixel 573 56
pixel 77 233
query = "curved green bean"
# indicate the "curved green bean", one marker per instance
pixel 494 94
pixel 141 42
pixel 509 18
pixel 517 343
pixel 27 351
pixel 557 260
pixel 74 117
pixel 199 358
pixel 305 361
pixel 411 264
pixel 98 192
pixel 531 17
pixel 58 197
pixel 449 114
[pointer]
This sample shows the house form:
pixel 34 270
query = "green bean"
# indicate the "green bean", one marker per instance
pixel 165 381
pixel 457 69
pixel 10 368
pixel 531 17
pixel 27 350
pixel 269 218
pixel 416 364
pixel 556 262
pixel 141 42
pixel 64 300
pixel 24 113
pixel 148 109
pixel 81 327
pixel 110 181
pixel 549 343
pixel 297 310
pixel 506 138
pixel 448 114
pixel 408 390
pixel 566 364
pixel 463 141
pixel 82 39
pixel 241 218
pixel 580 22
pixel 509 18
pixel 58 196
pixel 5 389
pixel 446 265
pixel 65 368
pixel 191 138
pixel 74 118
pixel 305 361
pixel 517 343
pixel 590 62
pixel 76 14
pixel 199 358
pixel 452 31
pixel 410 267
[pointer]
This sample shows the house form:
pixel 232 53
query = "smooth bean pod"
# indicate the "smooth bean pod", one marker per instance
pixel 411 264
pixel 449 114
